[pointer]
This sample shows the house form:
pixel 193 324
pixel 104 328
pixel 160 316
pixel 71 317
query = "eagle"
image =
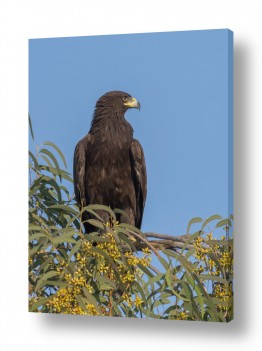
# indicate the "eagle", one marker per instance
pixel 109 165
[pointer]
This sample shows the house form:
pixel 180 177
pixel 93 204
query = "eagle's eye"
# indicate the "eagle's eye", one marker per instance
pixel 125 98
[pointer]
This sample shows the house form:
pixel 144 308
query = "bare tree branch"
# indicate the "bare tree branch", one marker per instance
pixel 166 241
pixel 171 242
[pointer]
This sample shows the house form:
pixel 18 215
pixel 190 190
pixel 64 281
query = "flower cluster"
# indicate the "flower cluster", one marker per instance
pixel 102 270
pixel 216 260
pixel 65 300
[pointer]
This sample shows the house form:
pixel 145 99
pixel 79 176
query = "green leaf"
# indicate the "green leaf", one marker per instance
pixel 192 221
pixel 45 265
pixel 95 223
pixel 146 271
pixel 171 310
pixel 36 165
pixel 44 279
pixel 30 126
pixel 51 156
pixel 88 209
pixel 212 309
pixel 105 255
pixel 105 283
pixel 40 220
pixel 81 303
pixel 40 302
pixel 186 264
pixel 65 208
pixel 224 222
pixel 58 151
pixel 150 314
pixel 75 249
pixel 220 242
pixel 210 219
pixel 66 231
pixel 91 299
pixel 199 296
pixel 122 213
pixel 50 166
pixel 123 237
pixel 209 302
pixel 36 236
pixel 213 278
pixel 170 283
pixel 154 279
pixel 102 208
pixel 190 252
pixel 130 228
pixel 63 239
pixel 44 180
pixel 57 283
pixel 164 263
pixel 110 260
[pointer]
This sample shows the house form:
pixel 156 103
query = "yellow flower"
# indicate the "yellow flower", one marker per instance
pixel 210 236
pixel 146 250
pixel 138 301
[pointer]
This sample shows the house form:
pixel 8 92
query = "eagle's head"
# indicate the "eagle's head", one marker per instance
pixel 117 102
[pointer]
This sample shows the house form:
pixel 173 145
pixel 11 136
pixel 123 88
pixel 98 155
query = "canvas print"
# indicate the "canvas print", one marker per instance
pixel 131 175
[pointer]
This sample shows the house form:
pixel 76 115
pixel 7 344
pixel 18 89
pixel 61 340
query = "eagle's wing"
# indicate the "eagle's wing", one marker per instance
pixel 138 168
pixel 79 172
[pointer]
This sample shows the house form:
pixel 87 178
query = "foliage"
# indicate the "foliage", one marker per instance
pixel 118 270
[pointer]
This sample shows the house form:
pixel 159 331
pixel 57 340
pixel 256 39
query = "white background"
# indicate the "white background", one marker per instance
pixel 24 19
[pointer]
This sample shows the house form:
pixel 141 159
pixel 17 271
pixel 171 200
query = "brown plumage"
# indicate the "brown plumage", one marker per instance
pixel 109 164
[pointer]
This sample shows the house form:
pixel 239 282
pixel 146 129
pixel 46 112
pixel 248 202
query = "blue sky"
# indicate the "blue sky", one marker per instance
pixel 181 81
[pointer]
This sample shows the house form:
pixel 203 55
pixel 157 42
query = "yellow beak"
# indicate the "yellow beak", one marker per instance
pixel 132 103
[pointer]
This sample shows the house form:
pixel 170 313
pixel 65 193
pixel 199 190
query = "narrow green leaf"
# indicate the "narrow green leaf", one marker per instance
pixel 58 151
pixel 170 284
pixel 65 208
pixel 192 221
pixel 102 208
pixel 96 223
pixel 57 283
pixel 164 263
pixel 30 126
pixel 155 279
pixel 130 245
pixel 224 222
pixel 92 300
pixel 199 296
pixel 75 249
pixel 213 278
pixel 130 228
pixel 189 270
pixel 81 303
pixel 122 213
pixel 49 165
pixel 51 156
pixel 88 209
pixel 40 302
pixel 44 279
pixel 36 165
pixel 63 239
pixel 36 236
pixel 210 219
pixel 105 283
pixel 146 271
pixel 190 252
pixel 220 242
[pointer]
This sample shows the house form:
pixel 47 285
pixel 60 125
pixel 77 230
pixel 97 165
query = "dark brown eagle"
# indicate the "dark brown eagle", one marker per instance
pixel 109 164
